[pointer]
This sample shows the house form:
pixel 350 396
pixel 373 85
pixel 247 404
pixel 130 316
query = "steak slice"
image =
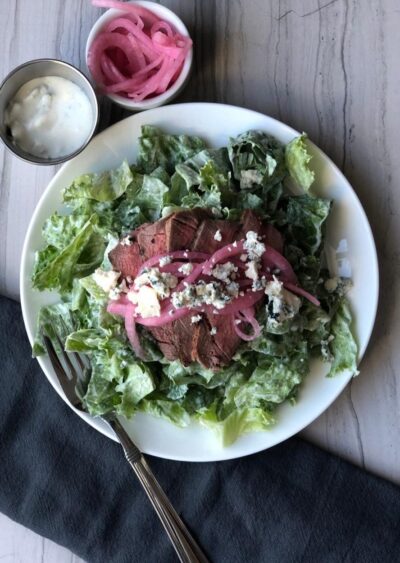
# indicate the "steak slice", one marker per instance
pixel 204 240
pixel 175 339
pixel 250 221
pixel 126 258
pixel 151 238
pixel 215 351
pixel 145 242
pixel 181 228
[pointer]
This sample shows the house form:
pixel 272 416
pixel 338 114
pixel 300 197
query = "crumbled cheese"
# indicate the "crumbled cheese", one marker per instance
pixel 218 236
pixel 235 244
pixel 331 284
pixel 281 305
pixel 213 331
pixel 254 247
pixel 223 271
pixel 195 319
pixel 186 269
pixel 201 293
pixel 325 350
pixel 237 322
pixel 164 261
pixel 146 300
pixel 259 284
pixel 251 271
pixel 161 282
pixel 114 293
pixel 126 241
pixel 249 178
pixel 243 257
pixel 232 289
pixel 106 280
pixel 123 364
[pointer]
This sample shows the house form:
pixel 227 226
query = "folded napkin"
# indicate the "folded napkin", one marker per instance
pixel 69 483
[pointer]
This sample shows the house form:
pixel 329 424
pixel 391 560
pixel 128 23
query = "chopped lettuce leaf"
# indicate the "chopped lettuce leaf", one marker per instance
pixel 306 216
pixel 116 385
pixel 147 194
pixel 237 423
pixel 56 268
pixel 159 149
pixel 107 186
pixel 343 346
pixel 297 162
pixel 167 409
pixel 257 160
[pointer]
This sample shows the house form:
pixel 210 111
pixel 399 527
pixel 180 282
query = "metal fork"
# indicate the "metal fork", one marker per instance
pixel 71 377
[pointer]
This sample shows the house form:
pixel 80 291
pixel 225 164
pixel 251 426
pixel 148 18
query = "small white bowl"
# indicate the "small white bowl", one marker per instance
pixel 181 81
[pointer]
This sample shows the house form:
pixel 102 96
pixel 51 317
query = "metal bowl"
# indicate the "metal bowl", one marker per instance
pixel 35 69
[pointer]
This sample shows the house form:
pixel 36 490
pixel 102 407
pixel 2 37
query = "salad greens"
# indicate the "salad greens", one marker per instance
pixel 174 172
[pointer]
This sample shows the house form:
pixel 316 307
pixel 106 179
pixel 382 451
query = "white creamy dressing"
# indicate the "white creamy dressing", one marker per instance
pixel 49 117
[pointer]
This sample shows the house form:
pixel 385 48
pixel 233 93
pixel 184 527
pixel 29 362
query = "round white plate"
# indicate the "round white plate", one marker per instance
pixel 351 250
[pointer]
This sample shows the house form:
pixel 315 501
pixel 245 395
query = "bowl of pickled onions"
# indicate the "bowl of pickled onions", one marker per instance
pixel 139 53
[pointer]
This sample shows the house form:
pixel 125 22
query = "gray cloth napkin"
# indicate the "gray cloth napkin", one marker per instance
pixel 64 480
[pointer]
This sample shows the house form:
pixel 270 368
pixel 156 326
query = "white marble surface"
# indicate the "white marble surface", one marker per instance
pixel 330 68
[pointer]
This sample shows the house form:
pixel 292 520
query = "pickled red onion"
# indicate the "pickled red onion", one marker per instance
pixel 136 55
pixel 300 291
pixel 246 316
pixel 130 327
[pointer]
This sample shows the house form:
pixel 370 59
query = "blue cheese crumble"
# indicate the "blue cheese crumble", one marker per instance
pixel 165 260
pixel 252 268
pixel 106 280
pixel 186 269
pixel 255 248
pixel 146 300
pixel 161 282
pixel 224 271
pixel 282 305
pixel 201 293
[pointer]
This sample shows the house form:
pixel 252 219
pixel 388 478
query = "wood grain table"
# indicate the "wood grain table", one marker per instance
pixel 330 68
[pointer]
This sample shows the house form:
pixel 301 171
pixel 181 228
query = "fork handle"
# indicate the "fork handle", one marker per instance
pixel 184 544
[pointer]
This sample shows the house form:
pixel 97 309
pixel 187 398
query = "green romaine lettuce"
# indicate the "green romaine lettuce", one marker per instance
pixel 306 216
pixel 297 162
pixel 106 186
pixel 56 268
pixel 257 160
pixel 159 149
pixel 238 422
pixel 343 346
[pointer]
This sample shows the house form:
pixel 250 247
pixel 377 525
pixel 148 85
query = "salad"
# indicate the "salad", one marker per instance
pixel 195 280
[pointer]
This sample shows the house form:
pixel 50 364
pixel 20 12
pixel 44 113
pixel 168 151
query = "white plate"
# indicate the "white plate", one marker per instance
pixel 349 238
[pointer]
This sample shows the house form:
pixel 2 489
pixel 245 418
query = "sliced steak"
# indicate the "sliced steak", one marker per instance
pixel 126 258
pixel 181 228
pixel 145 242
pixel 151 238
pixel 215 351
pixel 250 221
pixel 175 340
pixel 204 240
